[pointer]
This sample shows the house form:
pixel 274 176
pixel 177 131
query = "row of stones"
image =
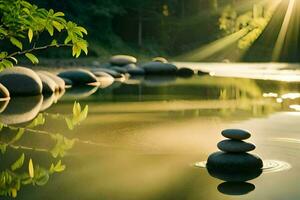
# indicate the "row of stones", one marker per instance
pixel 22 81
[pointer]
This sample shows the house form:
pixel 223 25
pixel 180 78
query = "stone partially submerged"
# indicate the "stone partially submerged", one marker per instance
pixel 233 156
pixel 79 76
pixel 234 161
pixel 49 86
pixel 60 84
pixel 122 60
pixel 21 81
pixel 158 68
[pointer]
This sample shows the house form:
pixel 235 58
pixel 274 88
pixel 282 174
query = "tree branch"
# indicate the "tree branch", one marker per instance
pixel 35 49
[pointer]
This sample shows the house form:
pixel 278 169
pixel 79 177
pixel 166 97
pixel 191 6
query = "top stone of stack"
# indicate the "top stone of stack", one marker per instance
pixel 236 134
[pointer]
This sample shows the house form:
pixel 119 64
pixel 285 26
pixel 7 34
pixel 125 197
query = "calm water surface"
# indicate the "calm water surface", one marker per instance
pixel 142 138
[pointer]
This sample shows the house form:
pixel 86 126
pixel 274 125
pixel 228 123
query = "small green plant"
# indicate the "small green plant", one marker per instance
pixel 22 24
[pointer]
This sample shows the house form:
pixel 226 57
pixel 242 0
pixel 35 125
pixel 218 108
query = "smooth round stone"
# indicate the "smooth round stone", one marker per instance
pixel 59 81
pixel 236 134
pixel 160 59
pixel 99 72
pixel 228 162
pixel 68 82
pixel 122 60
pixel 130 66
pixel 236 188
pixel 202 73
pixel 49 86
pixel 79 76
pixel 4 93
pixel 185 72
pixel 158 68
pixel 235 146
pixel 105 79
pixel 21 81
pixel 48 100
pixel 136 71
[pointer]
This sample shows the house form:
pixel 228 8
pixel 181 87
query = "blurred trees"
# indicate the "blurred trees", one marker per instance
pixel 156 27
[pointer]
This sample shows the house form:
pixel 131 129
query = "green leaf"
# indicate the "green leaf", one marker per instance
pixel 57 168
pixel 3 148
pixel 83 30
pixel 30 168
pixel 50 29
pixel 16 42
pixel 30 35
pixel 3 54
pixel 69 124
pixel 32 58
pixel 7 63
pixel 19 163
pixel 54 42
pixel 20 133
pixel 58 26
pixel 58 14
pixel 76 109
pixel 39 120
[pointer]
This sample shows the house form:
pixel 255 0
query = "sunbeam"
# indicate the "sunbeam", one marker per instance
pixel 283 32
pixel 235 45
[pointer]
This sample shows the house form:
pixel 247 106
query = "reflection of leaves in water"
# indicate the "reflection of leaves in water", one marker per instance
pixel 16 175
pixel 57 168
pixel 79 115
pixel 18 163
pixel 39 120
pixel 11 181
pixel 30 169
pixel 62 145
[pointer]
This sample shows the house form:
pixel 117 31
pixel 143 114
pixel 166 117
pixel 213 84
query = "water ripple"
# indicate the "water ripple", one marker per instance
pixel 270 166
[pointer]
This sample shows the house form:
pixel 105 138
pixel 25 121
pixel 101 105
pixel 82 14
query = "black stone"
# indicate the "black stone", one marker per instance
pixel 235 146
pixel 228 162
pixel 236 134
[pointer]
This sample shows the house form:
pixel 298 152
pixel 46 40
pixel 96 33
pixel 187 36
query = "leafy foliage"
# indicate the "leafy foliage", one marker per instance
pixel 254 21
pixel 22 23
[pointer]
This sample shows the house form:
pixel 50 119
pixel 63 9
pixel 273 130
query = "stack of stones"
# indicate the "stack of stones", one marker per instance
pixel 234 153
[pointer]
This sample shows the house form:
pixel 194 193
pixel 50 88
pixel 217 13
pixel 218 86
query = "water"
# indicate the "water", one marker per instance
pixel 141 140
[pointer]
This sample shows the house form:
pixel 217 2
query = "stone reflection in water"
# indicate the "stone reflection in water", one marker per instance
pixel 236 188
pixel 159 80
pixel 3 105
pixel 48 101
pixel 20 164
pixel 21 109
pixel 80 92
pixel 235 180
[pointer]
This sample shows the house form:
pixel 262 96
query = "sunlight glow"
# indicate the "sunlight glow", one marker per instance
pixel 283 31
pixel 291 96
pixel 295 107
